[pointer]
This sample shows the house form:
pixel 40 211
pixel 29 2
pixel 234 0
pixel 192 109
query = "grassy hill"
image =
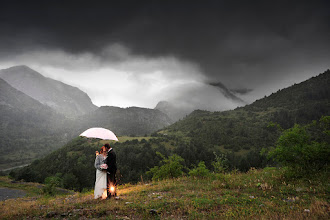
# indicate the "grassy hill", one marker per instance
pixel 257 194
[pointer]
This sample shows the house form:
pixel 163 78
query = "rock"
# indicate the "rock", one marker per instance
pixel 64 214
pixel 153 212
pixel 50 214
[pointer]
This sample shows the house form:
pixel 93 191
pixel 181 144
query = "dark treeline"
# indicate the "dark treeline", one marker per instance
pixel 73 164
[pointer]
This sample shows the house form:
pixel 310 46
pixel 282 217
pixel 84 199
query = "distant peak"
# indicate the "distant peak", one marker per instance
pixel 21 70
pixel 162 104
pixel 19 67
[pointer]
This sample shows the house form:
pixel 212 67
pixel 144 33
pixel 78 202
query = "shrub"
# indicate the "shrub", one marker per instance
pixel 50 185
pixel 171 168
pixel 200 170
pixel 220 164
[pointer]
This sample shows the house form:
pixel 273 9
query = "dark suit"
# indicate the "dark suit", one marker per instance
pixel 112 169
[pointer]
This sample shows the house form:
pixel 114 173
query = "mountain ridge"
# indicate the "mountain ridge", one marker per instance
pixel 124 121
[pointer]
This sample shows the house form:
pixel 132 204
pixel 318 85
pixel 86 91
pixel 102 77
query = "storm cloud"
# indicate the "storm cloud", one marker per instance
pixel 261 46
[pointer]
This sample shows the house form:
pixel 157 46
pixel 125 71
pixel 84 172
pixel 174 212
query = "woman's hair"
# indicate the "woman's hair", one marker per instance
pixel 103 148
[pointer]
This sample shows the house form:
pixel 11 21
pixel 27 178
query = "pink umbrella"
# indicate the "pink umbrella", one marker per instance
pixel 100 133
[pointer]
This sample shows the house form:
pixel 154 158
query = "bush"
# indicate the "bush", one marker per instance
pixel 171 168
pixel 220 164
pixel 50 185
pixel 200 170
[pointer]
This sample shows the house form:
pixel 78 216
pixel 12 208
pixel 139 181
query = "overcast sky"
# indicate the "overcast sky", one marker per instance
pixel 136 53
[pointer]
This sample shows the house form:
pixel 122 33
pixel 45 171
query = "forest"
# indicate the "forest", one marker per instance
pixel 73 165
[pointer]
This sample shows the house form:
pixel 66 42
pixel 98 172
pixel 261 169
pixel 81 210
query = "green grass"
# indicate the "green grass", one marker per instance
pixel 258 194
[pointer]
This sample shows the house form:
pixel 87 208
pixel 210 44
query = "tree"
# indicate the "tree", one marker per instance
pixel 298 150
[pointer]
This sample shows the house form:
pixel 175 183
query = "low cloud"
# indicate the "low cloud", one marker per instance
pixel 116 77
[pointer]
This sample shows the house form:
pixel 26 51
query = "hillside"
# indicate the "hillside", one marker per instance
pixel 257 194
pixel 125 121
pixel 299 103
pixel 56 130
pixel 67 100
pixel 28 129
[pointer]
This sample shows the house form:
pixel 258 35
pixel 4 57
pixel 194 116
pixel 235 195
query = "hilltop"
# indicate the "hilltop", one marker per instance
pixel 257 194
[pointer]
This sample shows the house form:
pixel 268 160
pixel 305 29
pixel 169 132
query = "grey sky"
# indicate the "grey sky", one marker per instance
pixel 127 53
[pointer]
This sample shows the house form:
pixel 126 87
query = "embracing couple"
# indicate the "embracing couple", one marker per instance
pixel 105 164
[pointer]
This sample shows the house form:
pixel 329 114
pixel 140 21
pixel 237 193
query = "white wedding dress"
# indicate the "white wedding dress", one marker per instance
pixel 101 179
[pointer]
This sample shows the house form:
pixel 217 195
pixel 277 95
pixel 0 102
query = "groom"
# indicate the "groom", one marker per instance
pixel 112 169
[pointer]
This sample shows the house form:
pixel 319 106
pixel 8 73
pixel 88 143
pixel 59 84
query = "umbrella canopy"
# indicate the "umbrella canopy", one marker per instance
pixel 100 133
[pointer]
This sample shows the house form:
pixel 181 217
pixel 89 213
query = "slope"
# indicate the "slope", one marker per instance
pixel 258 194
pixel 28 129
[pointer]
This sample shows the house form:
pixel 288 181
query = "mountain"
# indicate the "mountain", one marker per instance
pixel 173 111
pixel 125 121
pixel 65 99
pixel 237 136
pixel 28 129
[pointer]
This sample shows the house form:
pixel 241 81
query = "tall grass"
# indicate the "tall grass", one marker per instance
pixel 257 194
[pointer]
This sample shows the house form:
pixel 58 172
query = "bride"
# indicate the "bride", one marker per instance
pixel 101 175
